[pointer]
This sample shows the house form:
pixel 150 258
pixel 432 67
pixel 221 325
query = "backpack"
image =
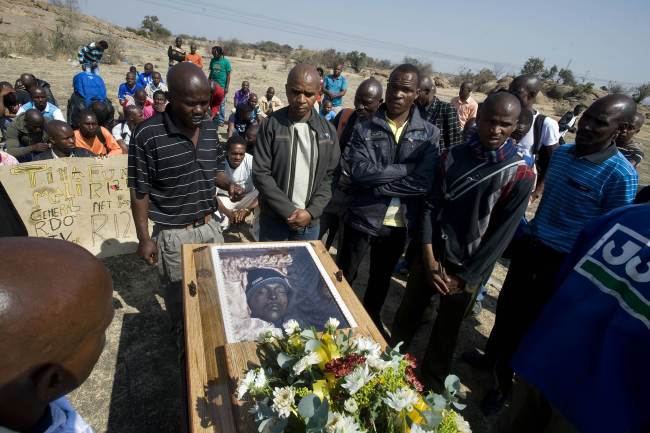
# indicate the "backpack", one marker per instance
pixel 538 125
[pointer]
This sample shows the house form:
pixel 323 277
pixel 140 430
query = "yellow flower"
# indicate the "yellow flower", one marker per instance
pixel 419 407
pixel 327 350
pixel 321 389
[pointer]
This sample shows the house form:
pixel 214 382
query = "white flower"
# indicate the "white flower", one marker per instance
pixel 291 327
pixel 245 384
pixel 305 362
pixel 366 346
pixel 461 425
pixel 415 428
pixel 355 380
pixel 269 335
pixel 283 399
pixel 342 424
pixel 350 405
pixel 403 398
pixel 331 324
pixel 380 364
pixel 260 380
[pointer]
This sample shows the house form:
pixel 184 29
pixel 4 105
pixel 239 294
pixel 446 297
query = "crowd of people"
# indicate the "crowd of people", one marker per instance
pixel 403 174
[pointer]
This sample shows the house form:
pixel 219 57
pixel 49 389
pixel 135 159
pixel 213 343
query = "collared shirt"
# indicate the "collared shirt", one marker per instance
pixel 465 109
pixel 274 104
pixel 335 85
pixel 578 189
pixel 126 90
pixel 632 152
pixel 178 176
pixel 443 115
pixel 394 217
pixel 219 71
pixel 152 88
pixel 96 146
pixel 51 112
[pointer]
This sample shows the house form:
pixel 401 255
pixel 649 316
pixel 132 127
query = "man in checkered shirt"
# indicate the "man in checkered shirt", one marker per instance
pixel 440 113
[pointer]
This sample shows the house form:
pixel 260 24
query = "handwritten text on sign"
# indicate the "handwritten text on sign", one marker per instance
pixel 82 200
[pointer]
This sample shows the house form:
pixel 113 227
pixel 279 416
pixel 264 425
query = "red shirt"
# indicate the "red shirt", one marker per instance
pixel 218 95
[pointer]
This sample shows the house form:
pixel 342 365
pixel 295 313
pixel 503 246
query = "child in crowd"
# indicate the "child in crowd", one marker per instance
pixel 328 111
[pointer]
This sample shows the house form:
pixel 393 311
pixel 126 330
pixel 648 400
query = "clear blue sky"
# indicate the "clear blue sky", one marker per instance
pixel 602 39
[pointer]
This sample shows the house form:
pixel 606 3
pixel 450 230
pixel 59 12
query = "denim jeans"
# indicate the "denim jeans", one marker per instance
pixel 87 67
pixel 221 117
pixel 276 230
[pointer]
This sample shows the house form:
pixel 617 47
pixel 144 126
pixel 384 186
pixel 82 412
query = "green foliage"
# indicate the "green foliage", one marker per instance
pixel 426 68
pixel 642 92
pixel 550 73
pixel 479 78
pixel 358 60
pixel 583 89
pixel 534 66
pixel 566 75
pixel 151 28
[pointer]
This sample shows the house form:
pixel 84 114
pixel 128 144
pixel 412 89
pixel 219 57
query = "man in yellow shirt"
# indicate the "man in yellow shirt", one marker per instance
pixel 390 160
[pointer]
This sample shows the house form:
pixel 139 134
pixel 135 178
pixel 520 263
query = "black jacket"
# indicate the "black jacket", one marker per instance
pixel 381 169
pixel 78 152
pixel 272 168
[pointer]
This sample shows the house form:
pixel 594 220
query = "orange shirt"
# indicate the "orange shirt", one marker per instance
pixel 466 110
pixel 194 58
pixel 96 146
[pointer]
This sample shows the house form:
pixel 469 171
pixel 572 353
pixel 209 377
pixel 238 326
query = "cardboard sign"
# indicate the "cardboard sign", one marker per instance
pixel 82 200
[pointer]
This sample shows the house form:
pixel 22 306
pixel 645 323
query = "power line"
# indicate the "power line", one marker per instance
pixel 233 15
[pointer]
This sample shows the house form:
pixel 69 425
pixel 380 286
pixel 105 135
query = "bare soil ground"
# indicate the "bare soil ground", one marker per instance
pixel 134 387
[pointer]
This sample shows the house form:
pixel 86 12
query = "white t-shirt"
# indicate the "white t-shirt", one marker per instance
pixel 242 175
pixel 122 129
pixel 550 135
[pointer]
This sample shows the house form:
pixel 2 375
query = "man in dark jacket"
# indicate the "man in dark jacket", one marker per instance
pixel 390 160
pixel 25 136
pixel 439 113
pixel 61 137
pixel 295 158
pixel 27 83
pixel 479 195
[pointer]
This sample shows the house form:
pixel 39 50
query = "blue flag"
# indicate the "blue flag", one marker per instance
pixel 589 352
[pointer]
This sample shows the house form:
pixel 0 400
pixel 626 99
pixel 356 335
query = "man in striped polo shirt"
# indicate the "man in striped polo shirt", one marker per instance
pixel 584 181
pixel 174 160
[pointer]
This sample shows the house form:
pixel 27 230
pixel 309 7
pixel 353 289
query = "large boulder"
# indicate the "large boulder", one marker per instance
pixel 441 82
pixel 488 86
pixel 560 91
pixel 505 81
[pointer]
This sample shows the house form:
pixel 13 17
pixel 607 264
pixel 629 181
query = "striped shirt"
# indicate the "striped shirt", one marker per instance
pixel 178 176
pixel 91 53
pixel 579 189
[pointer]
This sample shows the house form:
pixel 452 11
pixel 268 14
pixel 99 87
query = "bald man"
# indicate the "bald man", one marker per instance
pixel 60 136
pixel 142 101
pixel 25 136
pixel 174 159
pixel 543 137
pixel 367 99
pixel 295 158
pixel 585 180
pixel 439 113
pixel 28 82
pixel 39 101
pixel 52 331
pixel 465 230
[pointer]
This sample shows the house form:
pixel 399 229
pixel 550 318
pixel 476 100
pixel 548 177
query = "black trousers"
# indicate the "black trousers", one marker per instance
pixel 526 290
pixel 436 363
pixel 329 225
pixel 385 251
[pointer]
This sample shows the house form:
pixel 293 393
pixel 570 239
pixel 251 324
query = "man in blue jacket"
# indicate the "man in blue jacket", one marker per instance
pixel 390 160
